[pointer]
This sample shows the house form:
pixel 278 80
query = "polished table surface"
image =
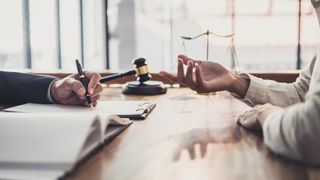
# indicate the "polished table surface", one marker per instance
pixel 188 136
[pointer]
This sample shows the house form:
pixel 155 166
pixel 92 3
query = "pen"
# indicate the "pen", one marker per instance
pixel 84 82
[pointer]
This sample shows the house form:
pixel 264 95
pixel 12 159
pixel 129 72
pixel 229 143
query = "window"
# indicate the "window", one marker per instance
pixel 266 32
pixel 42 34
pixel 50 34
pixel 11 34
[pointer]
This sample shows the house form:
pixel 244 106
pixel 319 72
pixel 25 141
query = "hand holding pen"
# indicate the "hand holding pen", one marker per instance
pixel 70 91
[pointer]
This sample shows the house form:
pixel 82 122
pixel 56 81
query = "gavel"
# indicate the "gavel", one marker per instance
pixel 142 86
pixel 140 70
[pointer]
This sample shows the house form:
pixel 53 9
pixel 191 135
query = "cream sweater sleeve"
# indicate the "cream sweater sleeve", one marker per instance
pixel 294 132
pixel 262 91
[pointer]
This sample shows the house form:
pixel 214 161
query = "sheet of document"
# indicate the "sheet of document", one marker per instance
pixel 103 107
pixel 40 140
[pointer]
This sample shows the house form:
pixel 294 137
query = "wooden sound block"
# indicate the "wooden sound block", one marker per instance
pixel 146 88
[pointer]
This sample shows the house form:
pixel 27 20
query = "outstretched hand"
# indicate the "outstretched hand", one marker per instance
pixel 203 76
pixel 70 91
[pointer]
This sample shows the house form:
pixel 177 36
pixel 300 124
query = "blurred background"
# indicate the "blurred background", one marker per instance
pixel 48 35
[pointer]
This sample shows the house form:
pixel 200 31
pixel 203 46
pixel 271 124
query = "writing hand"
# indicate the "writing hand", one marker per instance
pixel 70 91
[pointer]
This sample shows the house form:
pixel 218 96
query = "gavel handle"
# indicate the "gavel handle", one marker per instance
pixel 116 76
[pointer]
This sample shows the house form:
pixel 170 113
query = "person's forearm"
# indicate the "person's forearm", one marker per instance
pixel 240 86
pixel 18 88
pixel 294 132
pixel 260 91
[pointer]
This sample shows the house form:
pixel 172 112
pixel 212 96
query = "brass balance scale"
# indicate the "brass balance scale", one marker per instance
pixel 231 47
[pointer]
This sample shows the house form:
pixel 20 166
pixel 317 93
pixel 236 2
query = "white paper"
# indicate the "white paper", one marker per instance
pixel 46 135
pixel 103 107
pixel 39 138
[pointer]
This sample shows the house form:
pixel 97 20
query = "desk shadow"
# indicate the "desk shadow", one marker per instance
pixel 203 137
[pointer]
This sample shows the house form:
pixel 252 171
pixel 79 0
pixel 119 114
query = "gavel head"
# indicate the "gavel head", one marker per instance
pixel 142 71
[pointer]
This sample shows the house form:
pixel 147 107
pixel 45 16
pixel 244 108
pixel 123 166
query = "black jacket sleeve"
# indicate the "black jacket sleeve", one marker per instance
pixel 19 88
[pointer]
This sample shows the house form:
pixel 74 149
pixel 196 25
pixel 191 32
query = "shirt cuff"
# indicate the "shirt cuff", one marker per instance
pixel 50 99
pixel 256 91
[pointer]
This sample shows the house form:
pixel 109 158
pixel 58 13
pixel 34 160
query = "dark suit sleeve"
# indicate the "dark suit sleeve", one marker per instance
pixel 19 88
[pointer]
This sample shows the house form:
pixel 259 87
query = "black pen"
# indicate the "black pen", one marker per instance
pixel 84 82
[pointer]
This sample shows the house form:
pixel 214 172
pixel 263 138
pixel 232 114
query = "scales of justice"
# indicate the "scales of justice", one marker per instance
pixel 230 49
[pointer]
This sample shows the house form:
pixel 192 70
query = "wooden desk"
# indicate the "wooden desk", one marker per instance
pixel 189 136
